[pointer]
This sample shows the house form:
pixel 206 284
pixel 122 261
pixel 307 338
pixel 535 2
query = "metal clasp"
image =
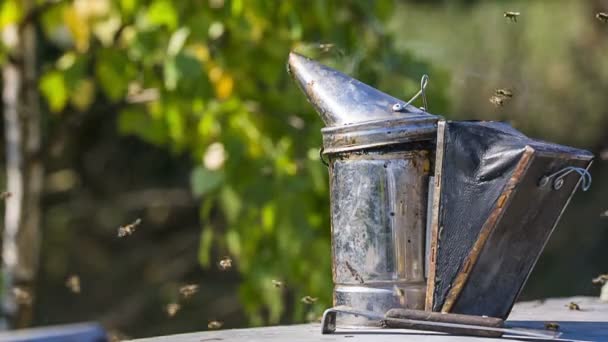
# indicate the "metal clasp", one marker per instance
pixel 398 107
pixel 558 181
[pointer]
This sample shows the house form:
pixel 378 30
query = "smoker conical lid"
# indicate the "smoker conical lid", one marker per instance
pixel 342 100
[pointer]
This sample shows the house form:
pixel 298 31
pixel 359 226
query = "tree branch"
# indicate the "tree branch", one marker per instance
pixel 35 12
pixel 24 172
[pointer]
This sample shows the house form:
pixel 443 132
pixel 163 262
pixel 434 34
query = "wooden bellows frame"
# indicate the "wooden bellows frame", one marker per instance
pixel 496 198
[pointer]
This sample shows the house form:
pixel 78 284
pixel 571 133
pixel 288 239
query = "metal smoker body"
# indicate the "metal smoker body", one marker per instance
pixel 379 164
pixel 467 243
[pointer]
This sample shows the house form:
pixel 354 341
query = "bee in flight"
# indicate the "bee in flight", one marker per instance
pixel 503 92
pixel 128 229
pixel 225 263
pixel 573 306
pixel 278 283
pixel 600 280
pixel 22 296
pixel 214 325
pixel 73 283
pixel 552 326
pixel 308 299
pixel 603 17
pixel 498 101
pixel 512 16
pixel 188 291
pixel 326 47
pixel 172 309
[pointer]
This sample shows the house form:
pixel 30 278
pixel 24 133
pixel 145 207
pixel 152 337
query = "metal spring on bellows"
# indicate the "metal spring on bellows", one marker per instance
pixel 559 177
pixel 398 107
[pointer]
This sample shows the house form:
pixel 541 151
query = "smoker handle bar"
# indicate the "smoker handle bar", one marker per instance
pixel 417 320
pixel 405 315
pixel 456 324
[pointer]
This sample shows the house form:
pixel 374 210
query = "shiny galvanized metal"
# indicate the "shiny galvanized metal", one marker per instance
pixel 340 99
pixel 379 165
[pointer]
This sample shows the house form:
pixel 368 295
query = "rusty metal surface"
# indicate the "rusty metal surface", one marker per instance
pixel 378 205
pixel 379 164
pixel 433 227
pixel 379 133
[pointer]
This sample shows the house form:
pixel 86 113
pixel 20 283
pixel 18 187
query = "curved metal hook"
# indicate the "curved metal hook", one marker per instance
pixel 558 182
pixel 424 81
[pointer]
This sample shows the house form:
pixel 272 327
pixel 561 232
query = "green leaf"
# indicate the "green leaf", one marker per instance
pixel 114 71
pixel 181 67
pixel 10 13
pixel 83 94
pixel 268 217
pixel 134 120
pixel 128 6
pixel 231 204
pixel 204 250
pixel 177 41
pixel 171 74
pixel 54 90
pixel 162 12
pixel 233 241
pixel 204 181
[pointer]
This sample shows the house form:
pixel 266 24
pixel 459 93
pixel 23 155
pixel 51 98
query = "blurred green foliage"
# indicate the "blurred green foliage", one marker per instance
pixel 208 79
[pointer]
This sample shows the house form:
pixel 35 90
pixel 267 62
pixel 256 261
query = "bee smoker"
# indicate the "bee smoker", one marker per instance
pixel 428 214
pixel 379 152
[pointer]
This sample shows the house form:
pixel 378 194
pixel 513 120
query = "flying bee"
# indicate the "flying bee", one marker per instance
pixel 188 291
pixel 604 214
pixel 552 326
pixel 603 17
pixel 172 309
pixel 73 283
pixel 512 16
pixel 22 296
pixel 225 263
pixel 326 47
pixel 212 325
pixel 308 299
pixel 503 92
pixel 278 284
pixel 498 101
pixel 600 280
pixel 117 336
pixel 573 306
pixel 128 229
pixel 5 194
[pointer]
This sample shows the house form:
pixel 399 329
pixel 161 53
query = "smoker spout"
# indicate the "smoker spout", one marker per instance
pixel 340 99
